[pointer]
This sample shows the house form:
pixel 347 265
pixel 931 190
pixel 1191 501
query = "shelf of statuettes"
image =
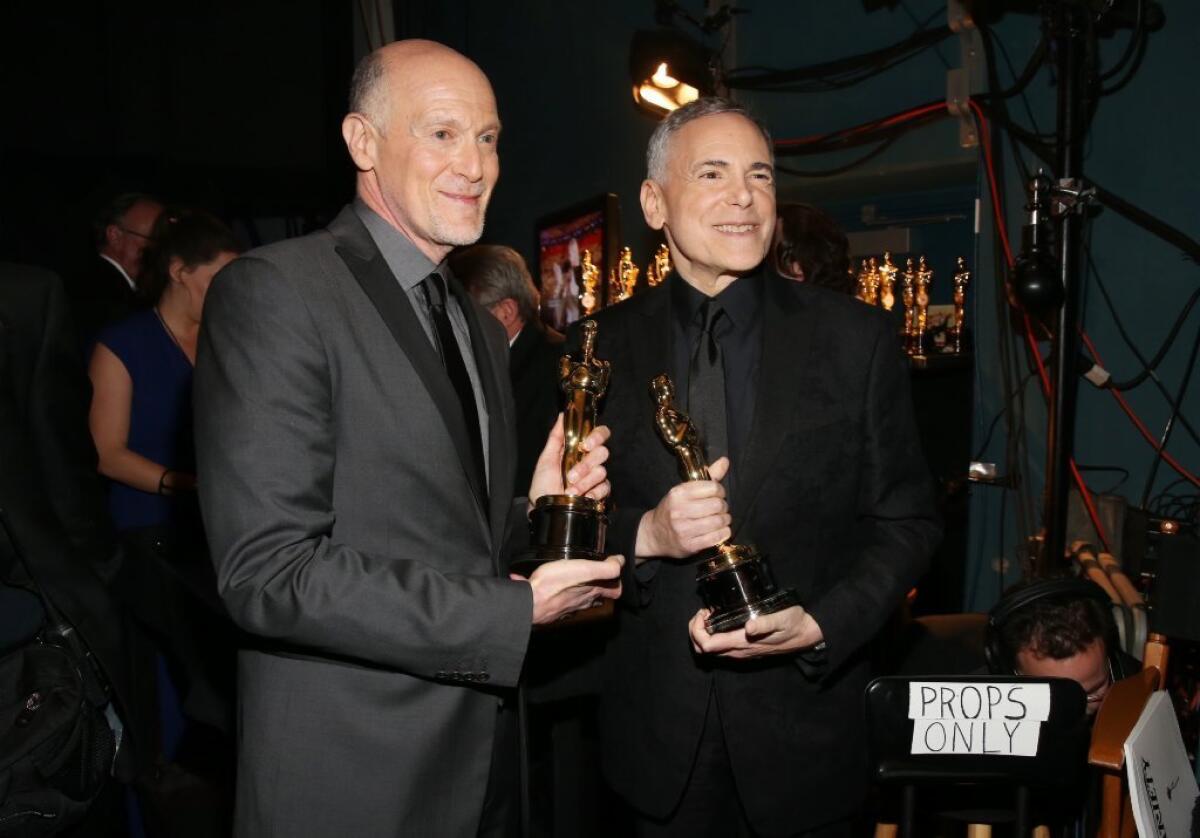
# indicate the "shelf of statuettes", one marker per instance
pixel 622 278
pixel 928 332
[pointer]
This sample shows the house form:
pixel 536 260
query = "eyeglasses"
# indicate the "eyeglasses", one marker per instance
pixel 133 232
pixel 1097 695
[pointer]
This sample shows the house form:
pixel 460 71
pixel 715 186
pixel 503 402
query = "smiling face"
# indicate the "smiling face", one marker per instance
pixel 716 201
pixel 430 167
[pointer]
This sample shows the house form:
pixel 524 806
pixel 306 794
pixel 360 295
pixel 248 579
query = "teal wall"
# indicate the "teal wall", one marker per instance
pixel 571 131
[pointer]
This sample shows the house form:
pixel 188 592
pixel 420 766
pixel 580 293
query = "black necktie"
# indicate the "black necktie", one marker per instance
pixel 706 384
pixel 434 287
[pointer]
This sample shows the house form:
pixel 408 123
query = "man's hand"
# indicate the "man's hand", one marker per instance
pixel 689 518
pixel 790 630
pixel 567 585
pixel 588 477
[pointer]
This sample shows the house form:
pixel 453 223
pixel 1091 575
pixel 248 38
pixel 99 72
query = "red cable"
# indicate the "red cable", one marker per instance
pixel 986 143
pixel 885 122
pixel 1171 461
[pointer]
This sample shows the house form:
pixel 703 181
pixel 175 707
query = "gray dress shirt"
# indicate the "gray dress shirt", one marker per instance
pixel 410 267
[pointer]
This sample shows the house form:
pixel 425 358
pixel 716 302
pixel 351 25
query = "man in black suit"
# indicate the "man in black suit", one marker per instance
pixel 496 277
pixel 108 289
pixel 801 398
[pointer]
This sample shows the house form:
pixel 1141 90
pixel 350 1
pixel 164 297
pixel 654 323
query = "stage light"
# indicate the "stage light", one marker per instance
pixel 668 70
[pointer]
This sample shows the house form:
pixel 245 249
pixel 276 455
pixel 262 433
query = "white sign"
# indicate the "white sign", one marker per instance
pixel 1162 788
pixel 977 718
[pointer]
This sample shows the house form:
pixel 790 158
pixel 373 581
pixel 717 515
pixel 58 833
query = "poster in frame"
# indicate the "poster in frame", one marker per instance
pixel 591 226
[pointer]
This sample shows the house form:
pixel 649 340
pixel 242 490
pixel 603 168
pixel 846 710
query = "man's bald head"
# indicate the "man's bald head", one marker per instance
pixel 422 132
pixel 374 77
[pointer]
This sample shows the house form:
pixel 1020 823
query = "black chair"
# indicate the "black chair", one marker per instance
pixel 1057 772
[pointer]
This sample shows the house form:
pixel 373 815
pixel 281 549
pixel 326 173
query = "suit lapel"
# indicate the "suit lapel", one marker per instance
pixel 370 269
pixel 788 345
pixel 650 348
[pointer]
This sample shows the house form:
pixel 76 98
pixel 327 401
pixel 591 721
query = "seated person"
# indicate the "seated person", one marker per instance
pixel 1058 628
pixel 809 246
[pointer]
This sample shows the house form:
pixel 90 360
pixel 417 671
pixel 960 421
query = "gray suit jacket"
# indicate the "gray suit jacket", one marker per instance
pixel 349 539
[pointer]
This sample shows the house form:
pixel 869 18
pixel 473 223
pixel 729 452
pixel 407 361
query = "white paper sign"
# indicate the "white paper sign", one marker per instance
pixel 1162 787
pixel 977 718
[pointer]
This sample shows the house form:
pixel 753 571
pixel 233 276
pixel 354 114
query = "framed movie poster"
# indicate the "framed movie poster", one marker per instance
pixel 572 243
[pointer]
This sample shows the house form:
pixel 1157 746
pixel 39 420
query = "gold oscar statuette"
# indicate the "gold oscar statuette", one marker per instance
pixel 961 277
pixel 659 267
pixel 572 526
pixel 589 298
pixel 924 279
pixel 909 281
pixel 887 282
pixel 735 581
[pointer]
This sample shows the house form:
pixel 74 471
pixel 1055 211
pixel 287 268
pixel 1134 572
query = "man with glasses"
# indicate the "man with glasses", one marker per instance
pixel 1060 629
pixel 107 291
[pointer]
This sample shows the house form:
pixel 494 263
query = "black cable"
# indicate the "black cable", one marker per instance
pixel 870 62
pixel 1153 363
pixel 1131 44
pixel 870 155
pixel 1000 414
pixel 1170 426
pixel 1124 476
pixel 1094 274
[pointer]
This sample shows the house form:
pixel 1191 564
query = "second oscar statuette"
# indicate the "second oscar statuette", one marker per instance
pixel 572 526
pixel 735 581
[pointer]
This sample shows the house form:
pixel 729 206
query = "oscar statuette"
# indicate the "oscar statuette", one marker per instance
pixel 735 581
pixel 572 526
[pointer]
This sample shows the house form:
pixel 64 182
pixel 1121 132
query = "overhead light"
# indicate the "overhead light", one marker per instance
pixel 668 70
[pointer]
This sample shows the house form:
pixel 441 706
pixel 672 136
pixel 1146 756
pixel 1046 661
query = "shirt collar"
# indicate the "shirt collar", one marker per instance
pixel 409 265
pixel 117 265
pixel 741 299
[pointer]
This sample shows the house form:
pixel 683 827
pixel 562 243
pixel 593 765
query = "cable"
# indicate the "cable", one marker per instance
pixel 824 76
pixel 1130 45
pixel 870 155
pixel 987 437
pixel 1139 424
pixel 802 145
pixel 1045 379
pixel 1170 426
pixel 1152 365
pixel 1112 309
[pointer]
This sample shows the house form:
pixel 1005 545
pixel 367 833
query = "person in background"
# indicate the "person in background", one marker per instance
pixel 141 422
pixel 109 290
pixel 562 673
pixel 1058 628
pixel 496 277
pixel 809 246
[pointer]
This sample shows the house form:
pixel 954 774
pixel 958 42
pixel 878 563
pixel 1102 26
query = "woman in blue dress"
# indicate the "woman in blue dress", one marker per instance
pixel 141 421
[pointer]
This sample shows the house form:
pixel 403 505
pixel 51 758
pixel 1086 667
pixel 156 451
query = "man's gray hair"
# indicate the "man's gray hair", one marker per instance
pixel 366 89
pixel 492 272
pixel 660 140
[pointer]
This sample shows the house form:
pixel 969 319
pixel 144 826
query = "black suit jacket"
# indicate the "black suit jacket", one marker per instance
pixel 99 296
pixel 533 367
pixel 835 492
pixel 50 492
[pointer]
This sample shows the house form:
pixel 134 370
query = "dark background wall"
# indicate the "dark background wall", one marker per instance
pixel 236 107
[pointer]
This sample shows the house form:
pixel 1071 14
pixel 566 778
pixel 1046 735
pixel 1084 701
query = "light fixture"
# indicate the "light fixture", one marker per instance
pixel 668 70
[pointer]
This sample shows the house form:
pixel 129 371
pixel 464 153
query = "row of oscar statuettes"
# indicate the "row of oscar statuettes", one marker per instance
pixel 879 282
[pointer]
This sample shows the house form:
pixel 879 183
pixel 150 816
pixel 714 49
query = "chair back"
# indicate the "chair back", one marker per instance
pixel 978 750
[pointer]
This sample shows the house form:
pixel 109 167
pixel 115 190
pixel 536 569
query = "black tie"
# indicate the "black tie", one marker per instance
pixel 706 384
pixel 434 287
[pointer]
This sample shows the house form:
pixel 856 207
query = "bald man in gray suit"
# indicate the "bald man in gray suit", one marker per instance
pixel 355 437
